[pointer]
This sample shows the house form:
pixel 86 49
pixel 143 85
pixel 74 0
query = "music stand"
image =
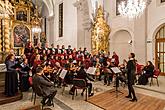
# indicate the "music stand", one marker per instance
pixel 116 70
pixel 91 70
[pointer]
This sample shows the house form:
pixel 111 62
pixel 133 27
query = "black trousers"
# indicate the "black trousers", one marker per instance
pixel 131 90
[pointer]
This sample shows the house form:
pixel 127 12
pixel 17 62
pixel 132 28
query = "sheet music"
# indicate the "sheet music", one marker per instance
pixel 63 74
pixel 3 68
pixel 91 70
pixel 115 70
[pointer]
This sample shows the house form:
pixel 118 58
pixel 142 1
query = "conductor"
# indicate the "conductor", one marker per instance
pixel 131 68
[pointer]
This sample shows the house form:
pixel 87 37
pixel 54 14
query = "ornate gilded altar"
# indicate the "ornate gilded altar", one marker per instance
pixel 100 33
pixel 16 25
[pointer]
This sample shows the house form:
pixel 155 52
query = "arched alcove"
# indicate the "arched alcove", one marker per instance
pixel 121 44
pixel 160 48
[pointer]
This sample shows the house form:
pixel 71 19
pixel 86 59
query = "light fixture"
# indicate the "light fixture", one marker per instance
pixel 36 22
pixel 132 8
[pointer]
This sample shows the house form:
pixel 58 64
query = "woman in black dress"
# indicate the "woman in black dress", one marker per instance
pixel 11 80
pixel 24 76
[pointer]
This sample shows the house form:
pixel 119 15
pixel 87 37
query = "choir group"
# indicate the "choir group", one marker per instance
pixel 46 63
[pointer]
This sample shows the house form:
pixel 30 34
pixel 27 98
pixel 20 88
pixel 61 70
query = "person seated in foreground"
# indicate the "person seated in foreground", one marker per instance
pixel 81 74
pixel 148 71
pixel 43 87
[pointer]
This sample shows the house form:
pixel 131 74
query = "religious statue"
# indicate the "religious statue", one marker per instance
pixel 100 33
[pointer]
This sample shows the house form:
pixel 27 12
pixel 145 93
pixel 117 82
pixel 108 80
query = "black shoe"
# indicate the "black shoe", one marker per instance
pixel 90 94
pixel 43 102
pixel 128 96
pixel 49 104
pixel 71 93
pixel 133 100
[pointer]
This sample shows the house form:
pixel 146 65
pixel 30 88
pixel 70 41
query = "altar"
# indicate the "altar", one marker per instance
pixel 17 23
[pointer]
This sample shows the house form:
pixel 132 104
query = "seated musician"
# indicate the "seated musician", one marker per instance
pixel 107 73
pixel 123 66
pixel 81 74
pixel 148 71
pixel 37 62
pixel 43 87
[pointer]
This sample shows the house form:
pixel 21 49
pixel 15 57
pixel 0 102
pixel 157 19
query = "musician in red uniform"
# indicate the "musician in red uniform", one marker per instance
pixel 63 61
pixel 29 50
pixel 33 57
pixel 52 61
pixel 87 62
pixel 39 48
pixel 116 58
pixel 37 62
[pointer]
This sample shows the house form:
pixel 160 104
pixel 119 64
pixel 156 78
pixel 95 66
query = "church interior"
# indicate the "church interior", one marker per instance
pixel 82 54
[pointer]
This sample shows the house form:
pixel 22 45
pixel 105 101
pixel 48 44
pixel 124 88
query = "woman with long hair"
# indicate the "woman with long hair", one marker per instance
pixel 11 80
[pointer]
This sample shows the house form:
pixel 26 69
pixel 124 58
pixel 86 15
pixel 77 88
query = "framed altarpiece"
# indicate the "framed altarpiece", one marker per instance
pixel 21 27
pixel 16 29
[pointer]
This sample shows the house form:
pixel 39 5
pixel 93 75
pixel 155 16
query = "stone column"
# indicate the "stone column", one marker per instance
pixel 0 35
pixel 84 24
pixel 6 35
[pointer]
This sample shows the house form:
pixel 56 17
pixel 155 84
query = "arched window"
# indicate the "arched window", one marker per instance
pixel 160 49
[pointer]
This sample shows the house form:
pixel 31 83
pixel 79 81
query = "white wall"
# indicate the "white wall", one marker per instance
pixel 69 24
pixel 141 30
pixel 119 44
pixel 156 17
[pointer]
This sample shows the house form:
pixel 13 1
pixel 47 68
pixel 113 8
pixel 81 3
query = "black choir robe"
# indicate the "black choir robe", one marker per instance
pixel 11 79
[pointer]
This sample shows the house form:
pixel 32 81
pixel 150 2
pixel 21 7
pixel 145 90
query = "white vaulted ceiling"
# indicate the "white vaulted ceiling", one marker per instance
pixel 45 4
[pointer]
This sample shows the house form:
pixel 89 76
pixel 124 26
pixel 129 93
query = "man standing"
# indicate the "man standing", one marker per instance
pixel 131 68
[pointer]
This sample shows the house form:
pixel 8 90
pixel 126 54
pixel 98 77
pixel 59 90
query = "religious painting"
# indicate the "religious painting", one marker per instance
pixel 21 35
pixel 162 1
pixel 21 15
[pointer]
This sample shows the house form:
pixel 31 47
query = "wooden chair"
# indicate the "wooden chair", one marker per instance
pixel 155 76
pixel 139 69
pixel 34 94
pixel 80 84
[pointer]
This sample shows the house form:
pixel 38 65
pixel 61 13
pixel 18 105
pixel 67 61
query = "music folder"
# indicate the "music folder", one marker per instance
pixel 91 70
pixel 3 68
pixel 17 65
pixel 115 70
pixel 63 74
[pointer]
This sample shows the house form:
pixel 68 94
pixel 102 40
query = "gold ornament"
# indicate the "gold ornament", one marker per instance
pixel 0 38
pixel 100 33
